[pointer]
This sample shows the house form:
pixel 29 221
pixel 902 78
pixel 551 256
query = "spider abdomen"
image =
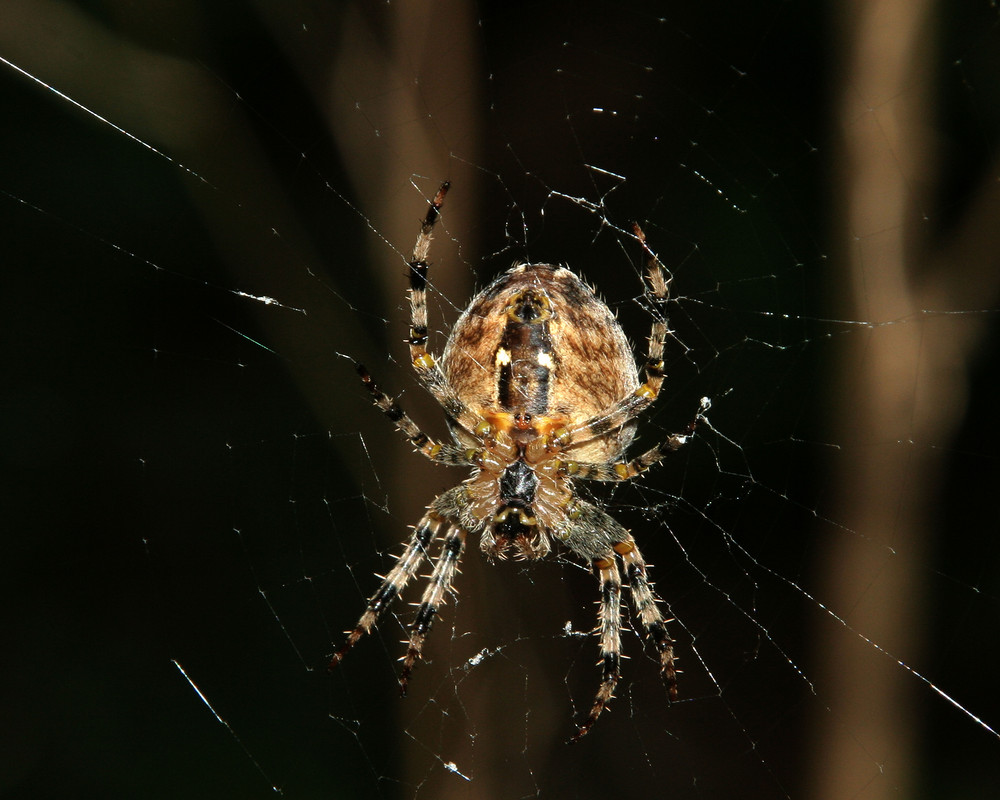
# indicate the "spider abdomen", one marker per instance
pixel 524 353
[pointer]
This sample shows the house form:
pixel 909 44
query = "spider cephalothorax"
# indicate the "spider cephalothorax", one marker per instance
pixel 540 389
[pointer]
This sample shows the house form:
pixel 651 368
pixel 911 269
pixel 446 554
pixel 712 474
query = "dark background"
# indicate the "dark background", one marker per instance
pixel 194 483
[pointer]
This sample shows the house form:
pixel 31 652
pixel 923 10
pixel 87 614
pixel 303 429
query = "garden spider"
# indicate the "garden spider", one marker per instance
pixel 540 389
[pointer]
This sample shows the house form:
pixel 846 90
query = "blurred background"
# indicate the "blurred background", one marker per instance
pixel 207 211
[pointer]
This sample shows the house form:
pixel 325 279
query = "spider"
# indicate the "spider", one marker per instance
pixel 540 389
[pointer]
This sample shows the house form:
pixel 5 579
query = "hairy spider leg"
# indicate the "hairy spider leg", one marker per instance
pixel 418 277
pixel 433 599
pixel 599 538
pixel 626 470
pixel 646 609
pixel 441 452
pixel 658 281
pixel 630 406
pixel 424 364
pixel 609 625
pixel 402 572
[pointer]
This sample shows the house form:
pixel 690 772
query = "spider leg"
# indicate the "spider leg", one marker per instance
pixel 660 284
pixel 609 630
pixel 626 470
pixel 433 599
pixel 630 406
pixel 428 372
pixel 643 397
pixel 594 535
pixel 598 537
pixel 418 279
pixel 442 453
pixel 403 570
pixel 648 612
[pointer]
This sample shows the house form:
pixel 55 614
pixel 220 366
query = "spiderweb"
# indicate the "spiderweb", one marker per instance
pixel 208 209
